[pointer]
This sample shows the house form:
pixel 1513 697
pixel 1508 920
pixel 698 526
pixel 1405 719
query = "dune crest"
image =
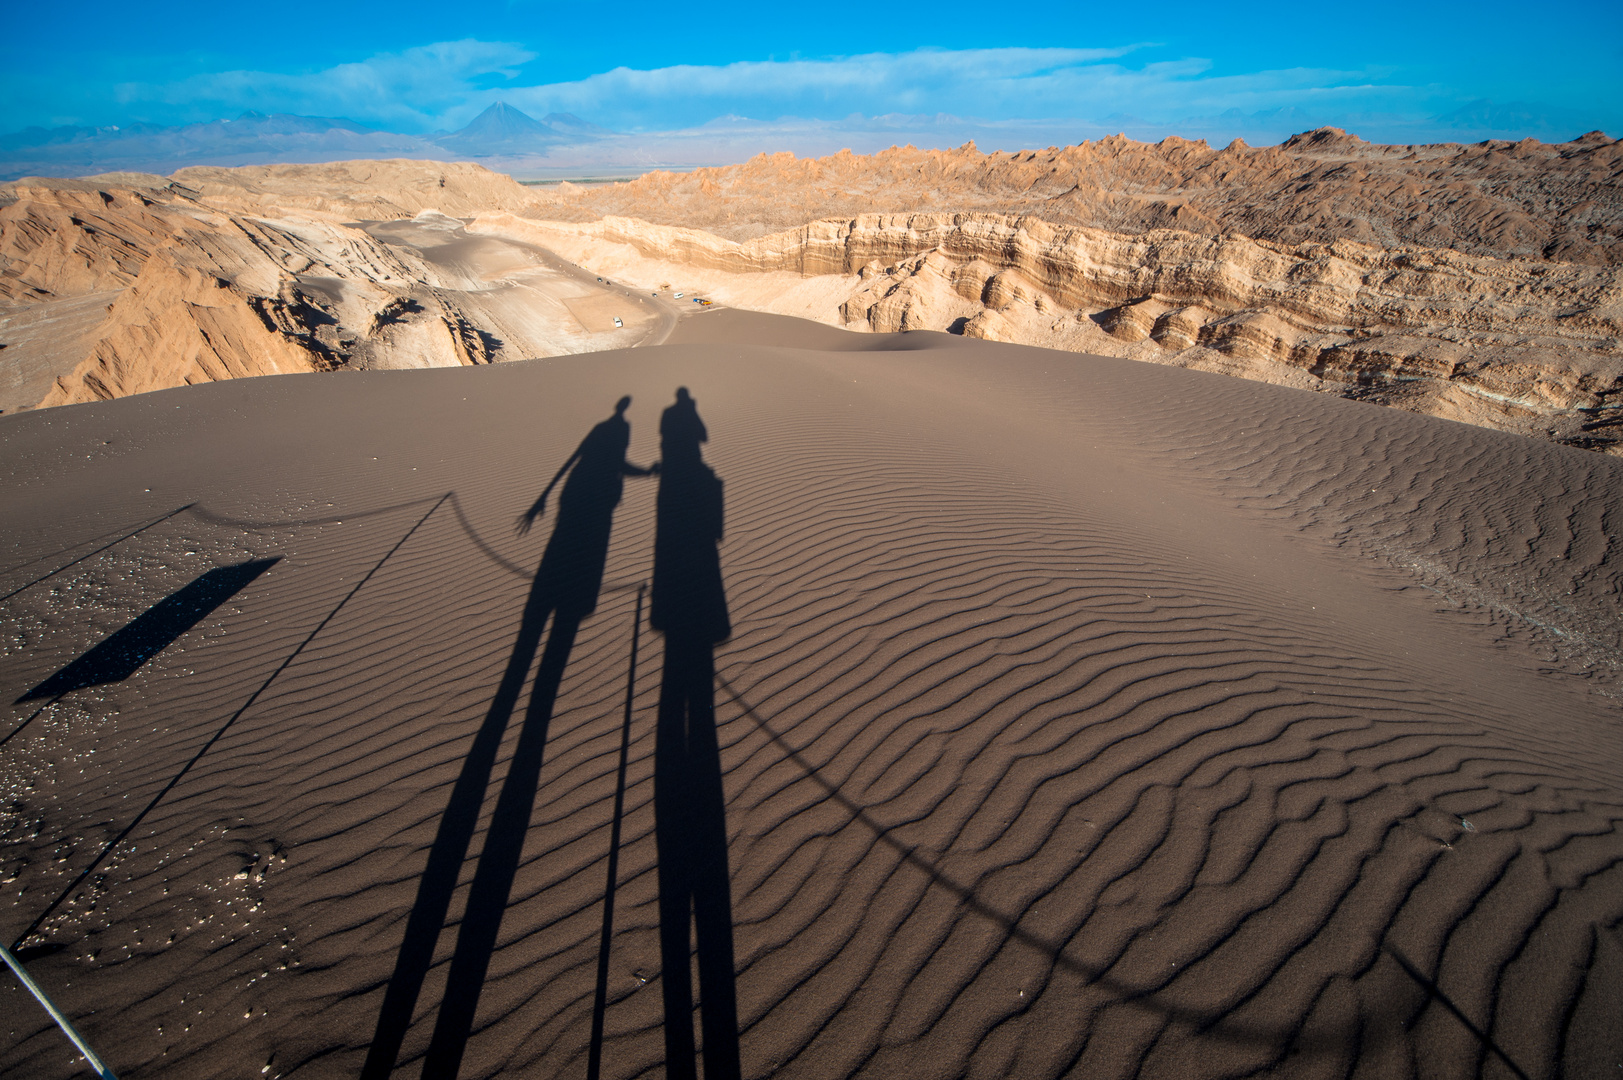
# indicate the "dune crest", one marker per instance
pixel 1080 717
pixel 1475 283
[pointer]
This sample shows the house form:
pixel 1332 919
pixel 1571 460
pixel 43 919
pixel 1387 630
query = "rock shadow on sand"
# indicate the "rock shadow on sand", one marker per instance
pixel 565 590
pixel 125 651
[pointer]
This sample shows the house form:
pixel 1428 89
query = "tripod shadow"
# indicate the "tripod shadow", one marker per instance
pixel 689 606
pixel 564 589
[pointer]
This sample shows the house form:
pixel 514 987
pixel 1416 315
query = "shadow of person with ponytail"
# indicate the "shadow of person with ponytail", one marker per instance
pixel 689 607
pixel 565 589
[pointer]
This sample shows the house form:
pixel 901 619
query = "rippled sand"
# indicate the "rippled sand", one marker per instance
pixel 1080 717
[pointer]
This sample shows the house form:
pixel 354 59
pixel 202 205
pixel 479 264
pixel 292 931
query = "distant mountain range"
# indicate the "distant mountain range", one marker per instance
pixel 256 139
pixel 560 145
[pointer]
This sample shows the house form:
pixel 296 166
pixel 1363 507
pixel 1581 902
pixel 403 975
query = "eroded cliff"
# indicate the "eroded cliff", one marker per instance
pixel 1528 199
pixel 1525 345
pixel 1478 283
pixel 199 293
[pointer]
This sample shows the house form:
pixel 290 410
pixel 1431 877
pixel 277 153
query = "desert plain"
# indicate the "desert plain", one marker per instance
pixel 1174 602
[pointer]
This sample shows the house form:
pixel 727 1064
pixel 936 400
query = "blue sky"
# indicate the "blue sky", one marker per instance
pixel 1386 70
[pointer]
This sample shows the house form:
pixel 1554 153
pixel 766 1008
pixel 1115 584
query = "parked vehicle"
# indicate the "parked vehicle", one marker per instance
pixel 617 322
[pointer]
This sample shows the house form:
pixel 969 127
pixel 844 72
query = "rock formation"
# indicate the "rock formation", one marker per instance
pixel 1528 199
pixel 205 290
pixel 1526 345
pixel 1478 283
pixel 358 190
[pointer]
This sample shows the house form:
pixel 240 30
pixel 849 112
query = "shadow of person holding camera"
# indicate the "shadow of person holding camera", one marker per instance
pixel 689 607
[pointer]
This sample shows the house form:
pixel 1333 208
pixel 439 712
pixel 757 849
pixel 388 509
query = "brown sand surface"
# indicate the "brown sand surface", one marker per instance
pixel 1080 717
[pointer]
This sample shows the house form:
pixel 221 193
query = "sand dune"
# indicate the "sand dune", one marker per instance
pixel 1080 717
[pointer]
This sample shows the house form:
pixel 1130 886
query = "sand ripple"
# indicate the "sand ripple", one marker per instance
pixel 1079 719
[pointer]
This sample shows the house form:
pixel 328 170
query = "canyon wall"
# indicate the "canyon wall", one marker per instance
pixel 1526 345
pixel 1478 283
pixel 343 191
pixel 1561 201
pixel 201 293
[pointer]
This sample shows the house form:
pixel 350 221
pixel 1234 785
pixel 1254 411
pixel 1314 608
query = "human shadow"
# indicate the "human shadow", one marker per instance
pixel 689 606
pixel 564 589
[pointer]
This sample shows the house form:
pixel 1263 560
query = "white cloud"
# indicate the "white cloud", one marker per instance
pixel 443 85
pixel 993 84
pixel 412 89
pixel 925 80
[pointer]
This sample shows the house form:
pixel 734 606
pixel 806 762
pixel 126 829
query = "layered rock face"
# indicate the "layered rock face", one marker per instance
pixel 1526 345
pixel 1474 282
pixel 58 240
pixel 202 293
pixel 1528 199
pixel 1478 283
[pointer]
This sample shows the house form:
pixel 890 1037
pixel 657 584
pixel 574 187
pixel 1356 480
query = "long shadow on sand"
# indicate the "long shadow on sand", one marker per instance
pixel 120 655
pixel 565 589
pixel 689 606
pixel 171 617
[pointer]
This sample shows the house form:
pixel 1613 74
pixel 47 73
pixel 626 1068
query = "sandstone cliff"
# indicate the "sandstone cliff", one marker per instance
pixel 358 190
pixel 1525 345
pixel 1478 283
pixel 1529 199
pixel 58 241
pixel 201 293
